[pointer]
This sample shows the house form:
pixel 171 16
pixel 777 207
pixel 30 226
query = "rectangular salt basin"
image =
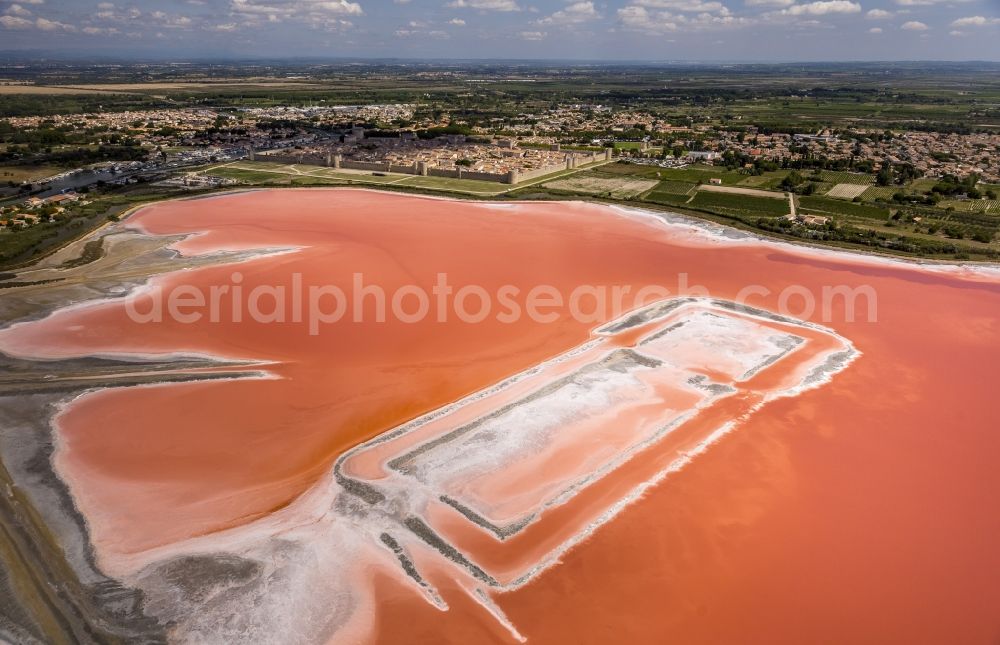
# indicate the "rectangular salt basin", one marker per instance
pixel 503 468
pixel 475 467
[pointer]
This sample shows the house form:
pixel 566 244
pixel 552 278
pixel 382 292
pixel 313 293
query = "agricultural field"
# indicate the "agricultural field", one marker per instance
pixel 879 193
pixel 740 190
pixel 632 169
pixel 45 90
pixel 697 174
pixel 847 191
pixel 665 198
pixel 740 205
pixel 972 205
pixel 835 177
pixel 593 184
pixel 827 206
pixel 279 174
pixel 460 185
pixel 670 193
pixel 366 177
pixel 770 179
pixel 249 175
pixel 923 185
pixel 690 174
pixel 674 187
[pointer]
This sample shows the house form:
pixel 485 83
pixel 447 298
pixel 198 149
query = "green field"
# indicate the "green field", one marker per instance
pixel 972 205
pixel 828 206
pixel 672 187
pixel 740 205
pixel 695 174
pixel 368 178
pixel 277 177
pixel 769 179
pixel 27 172
pixel 923 185
pixel 833 177
pixel 268 173
pixel 667 199
pixel 463 185
pixel 633 169
pixel 670 193
pixel 879 193
pixel 317 172
pixel 690 174
pixel 251 176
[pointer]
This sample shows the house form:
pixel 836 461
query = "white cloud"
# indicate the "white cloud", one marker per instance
pixel 14 22
pixel 925 3
pixel 914 25
pixel 225 27
pixel 173 22
pixel 105 5
pixel 485 5
pixel 42 24
pixel 638 18
pixel 573 14
pixel 956 33
pixel 769 3
pixel 878 14
pixel 32 1
pixel 685 5
pixel 975 21
pixel 875 30
pixel 17 10
pixel 823 8
pixel 52 25
pixel 458 22
pixel 532 35
pixel 312 11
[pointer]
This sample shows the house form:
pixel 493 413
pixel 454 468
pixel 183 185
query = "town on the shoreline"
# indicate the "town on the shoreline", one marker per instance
pixel 920 186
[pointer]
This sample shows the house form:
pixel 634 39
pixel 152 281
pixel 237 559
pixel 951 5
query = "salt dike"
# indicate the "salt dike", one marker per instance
pixel 694 469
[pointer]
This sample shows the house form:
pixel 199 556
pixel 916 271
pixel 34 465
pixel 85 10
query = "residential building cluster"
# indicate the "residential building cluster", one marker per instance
pixel 933 154
pixel 36 209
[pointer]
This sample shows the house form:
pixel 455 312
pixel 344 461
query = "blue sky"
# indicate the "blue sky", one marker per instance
pixel 703 30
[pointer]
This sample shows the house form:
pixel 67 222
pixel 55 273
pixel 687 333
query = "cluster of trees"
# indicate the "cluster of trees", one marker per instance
pixel 431 133
pixel 845 233
pixel 896 174
pixel 952 185
pixel 796 183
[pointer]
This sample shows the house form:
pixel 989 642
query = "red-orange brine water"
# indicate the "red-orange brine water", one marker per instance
pixel 860 511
